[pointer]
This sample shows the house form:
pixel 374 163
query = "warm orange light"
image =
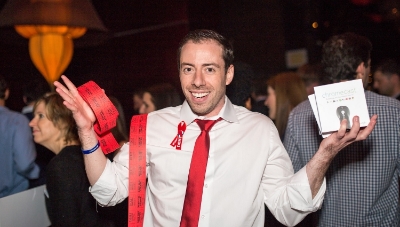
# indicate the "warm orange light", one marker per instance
pixel 50 47
pixel 50 26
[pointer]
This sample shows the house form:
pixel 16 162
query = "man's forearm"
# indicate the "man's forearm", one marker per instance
pixel 94 162
pixel 317 167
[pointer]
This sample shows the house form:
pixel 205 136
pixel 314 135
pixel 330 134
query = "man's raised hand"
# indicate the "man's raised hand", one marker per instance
pixel 81 111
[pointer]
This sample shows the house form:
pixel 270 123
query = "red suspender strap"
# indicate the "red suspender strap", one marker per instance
pixel 105 112
pixel 137 170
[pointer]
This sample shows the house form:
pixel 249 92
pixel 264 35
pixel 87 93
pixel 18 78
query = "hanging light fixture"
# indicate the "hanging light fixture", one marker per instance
pixel 51 26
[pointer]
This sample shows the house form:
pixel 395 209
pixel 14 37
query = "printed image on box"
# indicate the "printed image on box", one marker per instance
pixel 343 113
pixel 335 102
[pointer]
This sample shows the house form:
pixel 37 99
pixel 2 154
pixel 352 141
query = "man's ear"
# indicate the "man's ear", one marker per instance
pixel 360 71
pixel 229 74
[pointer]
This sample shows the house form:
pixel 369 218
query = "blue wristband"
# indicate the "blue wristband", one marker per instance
pixel 91 150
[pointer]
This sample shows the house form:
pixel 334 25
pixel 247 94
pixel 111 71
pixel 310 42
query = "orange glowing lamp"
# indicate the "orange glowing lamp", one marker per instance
pixel 51 26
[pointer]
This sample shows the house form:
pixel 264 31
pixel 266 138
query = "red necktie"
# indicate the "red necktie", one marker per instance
pixel 197 172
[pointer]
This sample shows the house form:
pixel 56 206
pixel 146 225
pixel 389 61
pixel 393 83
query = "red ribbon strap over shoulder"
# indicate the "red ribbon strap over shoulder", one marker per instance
pixel 105 112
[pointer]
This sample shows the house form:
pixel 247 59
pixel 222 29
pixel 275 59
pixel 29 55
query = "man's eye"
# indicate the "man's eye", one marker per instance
pixel 210 70
pixel 187 70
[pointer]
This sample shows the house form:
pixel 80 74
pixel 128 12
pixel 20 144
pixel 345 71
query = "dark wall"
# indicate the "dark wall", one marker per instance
pixel 140 48
pixel 137 53
pixel 255 27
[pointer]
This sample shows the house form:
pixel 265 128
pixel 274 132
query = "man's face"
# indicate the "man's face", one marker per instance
pixel 383 84
pixel 203 78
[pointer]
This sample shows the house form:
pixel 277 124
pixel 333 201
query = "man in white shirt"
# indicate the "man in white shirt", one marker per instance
pixel 247 164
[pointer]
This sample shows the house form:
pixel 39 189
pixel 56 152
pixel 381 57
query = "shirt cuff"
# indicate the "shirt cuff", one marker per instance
pixel 102 190
pixel 301 196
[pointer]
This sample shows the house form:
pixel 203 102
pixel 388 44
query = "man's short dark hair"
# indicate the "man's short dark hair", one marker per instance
pixel 201 35
pixel 342 54
pixel 3 87
pixel 389 67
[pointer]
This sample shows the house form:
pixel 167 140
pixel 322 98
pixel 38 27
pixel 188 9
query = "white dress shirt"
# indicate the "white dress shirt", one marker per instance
pixel 247 167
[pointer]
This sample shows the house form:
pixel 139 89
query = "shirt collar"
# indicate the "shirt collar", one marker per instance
pixel 227 113
pixel 396 95
pixel 27 109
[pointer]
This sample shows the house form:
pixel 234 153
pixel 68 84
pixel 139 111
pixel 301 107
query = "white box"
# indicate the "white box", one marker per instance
pixel 334 102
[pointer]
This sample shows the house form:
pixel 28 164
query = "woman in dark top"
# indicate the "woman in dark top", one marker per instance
pixel 68 200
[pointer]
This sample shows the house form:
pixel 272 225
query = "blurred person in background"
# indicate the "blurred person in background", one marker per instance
pixel 387 78
pixel 239 90
pixel 32 91
pixel 259 95
pixel 120 130
pixel 17 150
pixel 285 91
pixel 312 75
pixel 67 196
pixel 137 99
pixel 158 97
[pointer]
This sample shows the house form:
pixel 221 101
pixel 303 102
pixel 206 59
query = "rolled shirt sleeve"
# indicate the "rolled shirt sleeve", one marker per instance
pixel 287 195
pixel 112 186
pixel 297 200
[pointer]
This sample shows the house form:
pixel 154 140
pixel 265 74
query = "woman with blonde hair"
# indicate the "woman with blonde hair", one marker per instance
pixel 68 200
pixel 285 91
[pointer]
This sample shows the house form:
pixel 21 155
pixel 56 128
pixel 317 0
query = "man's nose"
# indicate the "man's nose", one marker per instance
pixel 198 79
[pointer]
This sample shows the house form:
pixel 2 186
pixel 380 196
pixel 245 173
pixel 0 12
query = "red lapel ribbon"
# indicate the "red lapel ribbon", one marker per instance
pixel 177 142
